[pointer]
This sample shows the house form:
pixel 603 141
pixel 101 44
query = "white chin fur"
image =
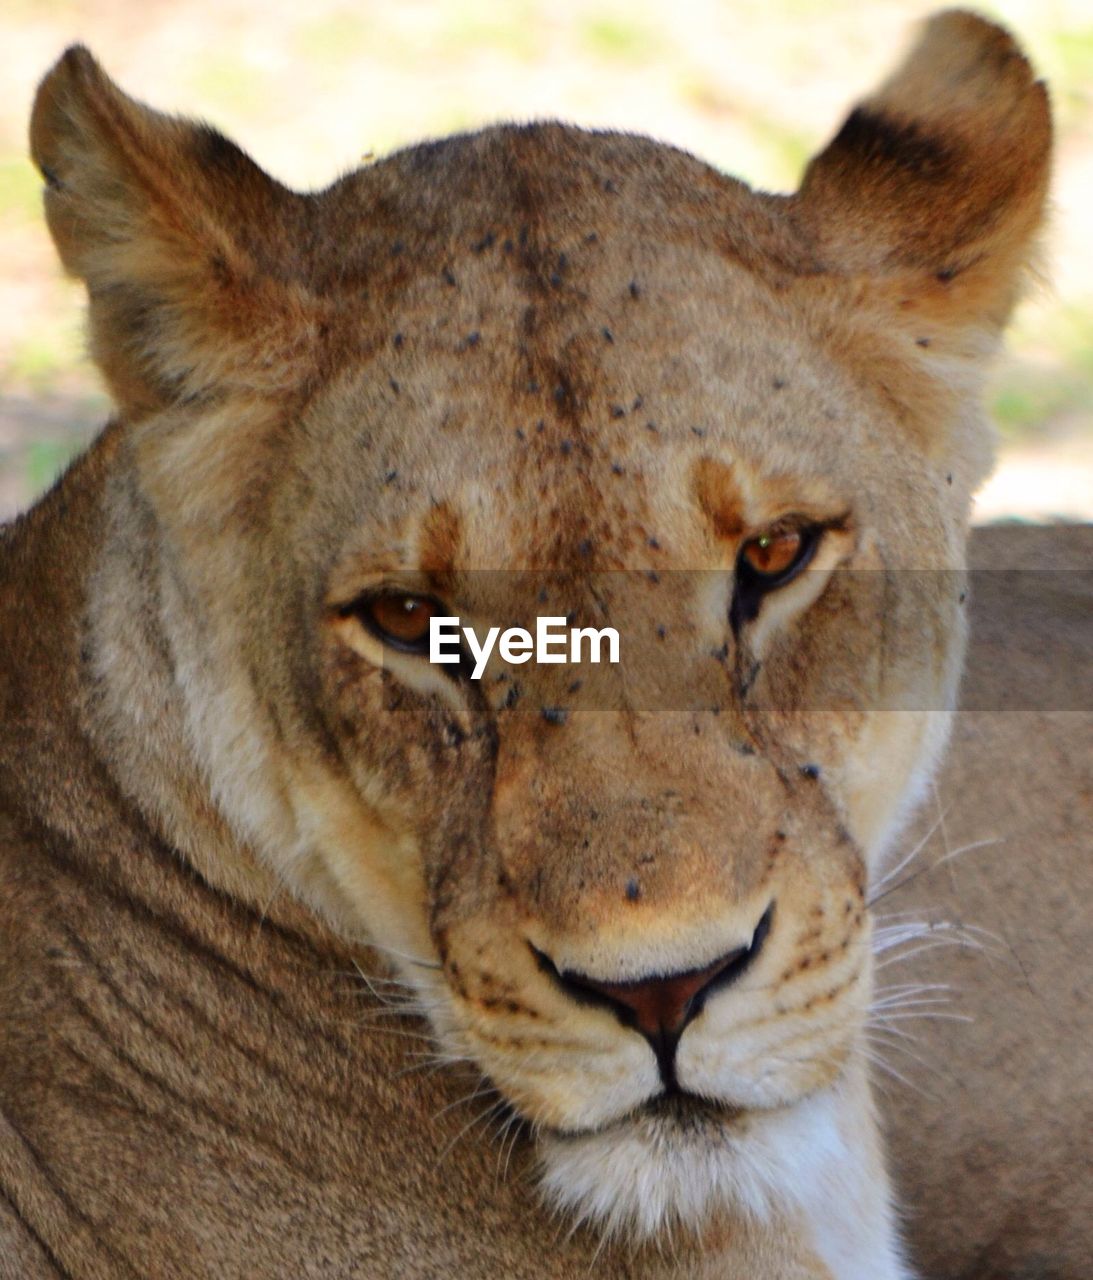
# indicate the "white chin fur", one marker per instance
pixel 647 1176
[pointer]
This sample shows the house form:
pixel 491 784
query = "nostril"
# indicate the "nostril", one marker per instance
pixel 661 1005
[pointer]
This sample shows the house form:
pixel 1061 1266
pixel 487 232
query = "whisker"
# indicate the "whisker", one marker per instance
pixel 937 1017
pixel 480 1092
pixel 476 1120
pixel 890 875
pixel 417 961
pixel 901 884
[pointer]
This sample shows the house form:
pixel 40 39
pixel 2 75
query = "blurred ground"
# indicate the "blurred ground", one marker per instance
pixel 754 86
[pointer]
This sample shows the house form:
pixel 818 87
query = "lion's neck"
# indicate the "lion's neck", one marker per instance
pixel 82 610
pixel 135 707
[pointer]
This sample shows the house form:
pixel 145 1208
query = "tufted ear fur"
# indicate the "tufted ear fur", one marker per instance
pixel 935 186
pixel 190 252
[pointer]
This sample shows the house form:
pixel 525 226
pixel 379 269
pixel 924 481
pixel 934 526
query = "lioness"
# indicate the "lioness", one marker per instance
pixel 320 959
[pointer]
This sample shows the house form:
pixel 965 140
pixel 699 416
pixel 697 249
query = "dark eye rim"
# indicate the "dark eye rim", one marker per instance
pixel 752 585
pixel 361 609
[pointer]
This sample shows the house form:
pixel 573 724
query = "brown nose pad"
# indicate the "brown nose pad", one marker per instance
pixel 662 1005
pixel 655 1006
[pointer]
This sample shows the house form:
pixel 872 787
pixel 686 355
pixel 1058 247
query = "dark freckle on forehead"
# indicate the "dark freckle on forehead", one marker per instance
pixel 635 289
pixel 608 335
pixel 585 546
pixel 543 595
pixel 662 631
pixel 652 575
pixel 396 248
pixel 651 426
pixel 391 476
pixel 575 687
pixel 520 433
pixel 486 242
pixel 654 544
pixel 639 401
pixel 540 426
pixel 810 770
pixel 779 384
pixel 449 276
pixel 398 340
pixel 533 387
pixel 555 715
pixel 699 431
pixel 633 890
pixel 617 468
pixel 394 386
pixel 617 411
pixel 566 447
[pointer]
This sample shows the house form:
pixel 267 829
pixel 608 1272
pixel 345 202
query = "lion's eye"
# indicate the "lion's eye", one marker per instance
pixel 399 619
pixel 768 561
pixel 773 554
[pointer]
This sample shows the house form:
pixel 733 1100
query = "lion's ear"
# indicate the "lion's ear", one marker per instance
pixel 937 183
pixel 188 249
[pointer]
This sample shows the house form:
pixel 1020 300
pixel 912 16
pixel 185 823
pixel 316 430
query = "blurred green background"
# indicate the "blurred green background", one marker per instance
pixel 754 86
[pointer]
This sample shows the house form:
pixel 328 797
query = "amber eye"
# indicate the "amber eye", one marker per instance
pixel 767 562
pixel 773 554
pixel 399 620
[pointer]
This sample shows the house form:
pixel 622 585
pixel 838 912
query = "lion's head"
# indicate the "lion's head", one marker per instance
pixel 531 371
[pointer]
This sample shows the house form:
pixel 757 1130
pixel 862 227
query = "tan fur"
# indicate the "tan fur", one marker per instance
pixel 529 367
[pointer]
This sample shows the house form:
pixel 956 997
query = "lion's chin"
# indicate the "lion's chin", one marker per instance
pixel 678 1162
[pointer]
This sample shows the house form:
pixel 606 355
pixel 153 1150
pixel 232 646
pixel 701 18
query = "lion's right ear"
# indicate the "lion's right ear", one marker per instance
pixel 933 191
pixel 190 252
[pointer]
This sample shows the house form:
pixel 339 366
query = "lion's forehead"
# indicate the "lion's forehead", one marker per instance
pixel 533 191
pixel 572 419
pixel 547 309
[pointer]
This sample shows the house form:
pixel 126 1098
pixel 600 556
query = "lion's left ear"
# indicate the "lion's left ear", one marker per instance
pixel 934 188
pixel 191 254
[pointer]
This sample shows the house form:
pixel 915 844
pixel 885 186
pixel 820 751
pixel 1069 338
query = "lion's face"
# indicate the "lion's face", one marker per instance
pixel 606 452
pixel 537 371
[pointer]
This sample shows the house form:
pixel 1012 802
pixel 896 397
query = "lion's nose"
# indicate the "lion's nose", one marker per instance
pixel 661 1005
